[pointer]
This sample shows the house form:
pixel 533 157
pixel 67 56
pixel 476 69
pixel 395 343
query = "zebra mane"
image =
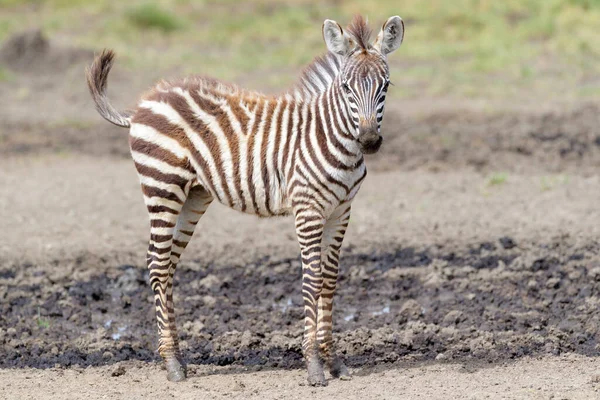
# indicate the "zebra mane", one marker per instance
pixel 318 75
pixel 360 32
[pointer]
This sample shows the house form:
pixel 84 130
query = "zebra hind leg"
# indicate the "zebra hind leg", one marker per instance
pixel 172 226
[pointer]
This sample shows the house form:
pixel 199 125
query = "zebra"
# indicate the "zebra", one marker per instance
pixel 300 153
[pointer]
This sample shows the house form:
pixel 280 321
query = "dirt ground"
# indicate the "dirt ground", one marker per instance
pixel 471 268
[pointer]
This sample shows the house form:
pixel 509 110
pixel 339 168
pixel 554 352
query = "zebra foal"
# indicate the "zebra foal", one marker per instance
pixel 301 153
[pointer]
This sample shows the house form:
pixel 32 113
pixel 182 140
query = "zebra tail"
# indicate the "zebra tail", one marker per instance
pixel 97 77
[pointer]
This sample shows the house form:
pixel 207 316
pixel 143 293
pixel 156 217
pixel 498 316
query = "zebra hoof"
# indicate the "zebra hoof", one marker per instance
pixel 316 376
pixel 339 370
pixel 317 380
pixel 176 371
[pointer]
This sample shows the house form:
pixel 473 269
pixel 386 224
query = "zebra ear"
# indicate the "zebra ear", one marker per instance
pixel 335 38
pixel 391 35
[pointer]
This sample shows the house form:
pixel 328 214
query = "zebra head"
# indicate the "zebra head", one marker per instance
pixel 363 79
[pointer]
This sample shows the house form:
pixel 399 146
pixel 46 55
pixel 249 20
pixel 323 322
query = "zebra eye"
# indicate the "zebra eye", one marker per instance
pixel 346 87
pixel 386 85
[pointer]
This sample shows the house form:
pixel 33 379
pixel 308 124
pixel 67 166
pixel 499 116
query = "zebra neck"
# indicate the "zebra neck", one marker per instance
pixel 318 77
pixel 337 129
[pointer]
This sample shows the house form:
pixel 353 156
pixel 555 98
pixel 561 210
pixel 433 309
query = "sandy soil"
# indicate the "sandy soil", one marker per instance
pixel 456 282
pixel 564 377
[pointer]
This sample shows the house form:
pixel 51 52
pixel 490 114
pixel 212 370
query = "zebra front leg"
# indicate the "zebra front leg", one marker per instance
pixel 333 235
pixel 309 229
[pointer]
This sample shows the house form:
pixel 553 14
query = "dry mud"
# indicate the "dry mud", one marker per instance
pixel 490 302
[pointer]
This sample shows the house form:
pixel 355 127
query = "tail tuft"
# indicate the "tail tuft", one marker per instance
pixel 97 77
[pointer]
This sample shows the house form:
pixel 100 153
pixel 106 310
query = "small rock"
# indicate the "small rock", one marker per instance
pixel 210 281
pixel 507 242
pixel 553 283
pixel 411 309
pixel 441 357
pixel 452 318
pixel 406 338
pixel 209 301
pixel 594 273
pixel 54 351
pixel 107 355
pixel 11 331
pixel 281 341
pixel 118 371
pixel 574 275
pixel 238 387
pixel 193 327
pixel 126 301
pixel 247 340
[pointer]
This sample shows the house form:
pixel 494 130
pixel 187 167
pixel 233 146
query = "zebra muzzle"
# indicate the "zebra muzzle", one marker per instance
pixel 369 138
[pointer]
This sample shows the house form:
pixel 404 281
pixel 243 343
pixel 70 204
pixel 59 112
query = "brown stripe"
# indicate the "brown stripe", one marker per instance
pixel 289 149
pixel 334 131
pixel 180 243
pixel 171 179
pixel 337 106
pixel 232 142
pixel 155 192
pixel 180 104
pixel 250 156
pixel 158 250
pixel 272 106
pixel 294 148
pixel 159 153
pixel 317 163
pixel 160 209
pixel 160 238
pixel 277 142
pixel 145 116
pixel 159 223
pixel 155 151
pixel 314 175
pixel 236 109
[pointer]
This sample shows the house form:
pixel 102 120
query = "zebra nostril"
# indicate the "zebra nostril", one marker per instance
pixel 368 130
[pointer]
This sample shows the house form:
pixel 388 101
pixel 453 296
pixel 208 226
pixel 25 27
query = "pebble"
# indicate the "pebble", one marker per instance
pixel 118 371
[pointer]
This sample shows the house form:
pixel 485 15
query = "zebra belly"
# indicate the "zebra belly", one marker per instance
pixel 250 197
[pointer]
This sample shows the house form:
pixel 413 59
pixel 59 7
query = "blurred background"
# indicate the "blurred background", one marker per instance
pixel 464 48
pixel 481 55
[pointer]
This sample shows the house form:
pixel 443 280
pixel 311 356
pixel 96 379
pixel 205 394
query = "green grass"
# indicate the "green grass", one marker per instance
pixel 497 179
pixel 550 182
pixel 474 48
pixel 43 323
pixel 5 75
pixel 151 16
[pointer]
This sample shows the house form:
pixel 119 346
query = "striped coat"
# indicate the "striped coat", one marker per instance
pixel 262 155
pixel 197 140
